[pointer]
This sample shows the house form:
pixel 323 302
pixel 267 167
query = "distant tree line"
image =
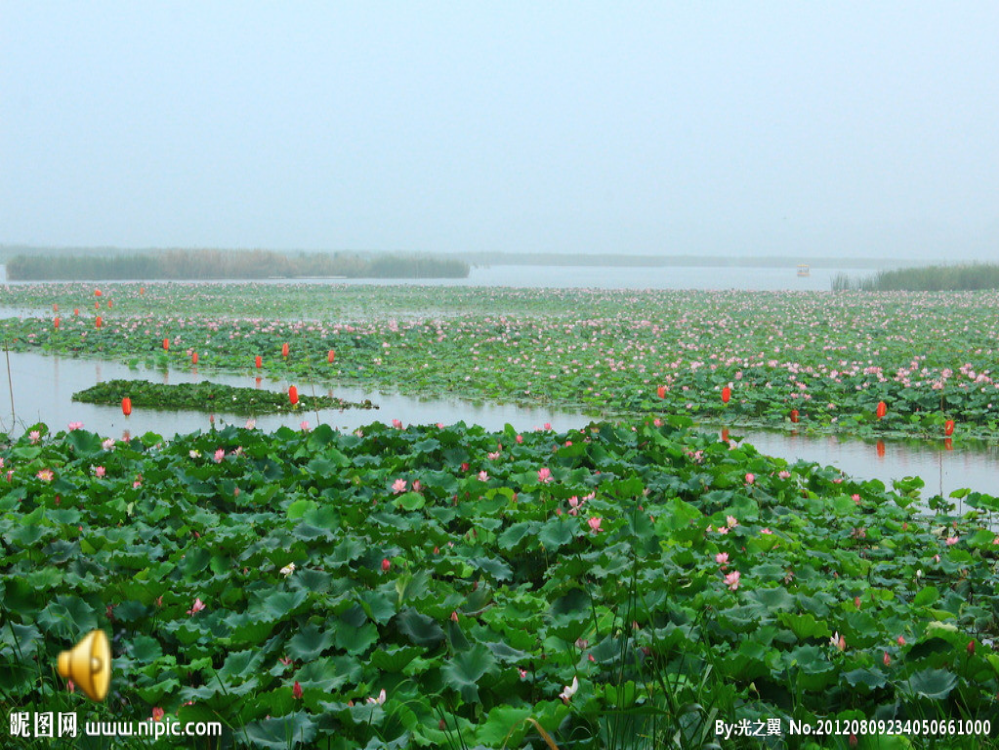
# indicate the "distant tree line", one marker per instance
pixel 230 264
pixel 964 277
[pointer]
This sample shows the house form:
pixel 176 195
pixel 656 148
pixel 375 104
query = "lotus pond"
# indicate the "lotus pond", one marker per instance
pixel 624 585
pixel 615 586
pixel 829 357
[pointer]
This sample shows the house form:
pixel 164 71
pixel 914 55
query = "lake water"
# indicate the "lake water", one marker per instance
pixel 616 277
pixel 43 387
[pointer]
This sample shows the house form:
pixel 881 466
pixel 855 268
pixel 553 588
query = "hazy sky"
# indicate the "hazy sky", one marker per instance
pixel 721 128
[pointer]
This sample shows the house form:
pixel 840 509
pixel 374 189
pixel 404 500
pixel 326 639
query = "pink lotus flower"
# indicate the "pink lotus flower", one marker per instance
pixel 951 540
pixel 380 700
pixel 399 485
pixel 886 659
pixel 483 476
pixel 519 439
pixel 46 475
pixel 305 426
pixel 35 436
pixel 722 558
pixel 75 426
pixel 158 714
pixel 750 478
pixel 99 471
pixel 544 475
pixel 594 524
pixel 766 531
pixel 901 640
pixel 251 423
pixel 296 691
pixel 386 565
pixel 523 673
pixel 731 521
pixel 838 641
pixel 732 580
pixel 397 424
pixel 198 606
pixel 108 444
pixel 219 455
pixel 784 474
pixel 856 499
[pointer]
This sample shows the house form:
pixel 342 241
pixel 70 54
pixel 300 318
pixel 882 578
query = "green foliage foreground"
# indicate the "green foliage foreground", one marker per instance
pixel 449 587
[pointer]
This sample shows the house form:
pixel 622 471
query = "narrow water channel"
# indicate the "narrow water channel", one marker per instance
pixel 43 387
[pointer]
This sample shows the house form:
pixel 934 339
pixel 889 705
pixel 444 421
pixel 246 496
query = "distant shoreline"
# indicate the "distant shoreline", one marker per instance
pixel 481 259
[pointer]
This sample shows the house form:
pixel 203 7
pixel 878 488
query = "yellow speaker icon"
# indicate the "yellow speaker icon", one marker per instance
pixel 88 665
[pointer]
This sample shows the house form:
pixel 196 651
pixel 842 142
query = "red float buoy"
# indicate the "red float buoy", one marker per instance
pixel 882 409
pixel 794 415
pixel 166 345
pixel 56 323
pixel 126 406
pixel 194 358
pixel 661 391
pixel 284 350
pixel 949 427
pixel 331 356
pixel 293 395
pixel 99 322
pixel 258 362
pixel 726 394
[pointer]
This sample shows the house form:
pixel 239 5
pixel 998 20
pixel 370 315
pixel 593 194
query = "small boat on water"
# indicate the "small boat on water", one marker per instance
pixel 803 270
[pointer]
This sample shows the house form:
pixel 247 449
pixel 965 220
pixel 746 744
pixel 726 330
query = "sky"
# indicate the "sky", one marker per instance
pixel 850 129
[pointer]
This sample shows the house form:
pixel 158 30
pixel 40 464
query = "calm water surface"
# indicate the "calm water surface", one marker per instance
pixel 43 387
pixel 613 277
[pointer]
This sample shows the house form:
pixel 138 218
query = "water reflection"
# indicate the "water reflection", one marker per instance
pixel 42 389
pixel 942 464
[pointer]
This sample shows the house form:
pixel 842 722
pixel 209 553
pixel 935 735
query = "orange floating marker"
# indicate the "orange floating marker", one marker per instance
pixel 331 356
pixel 724 434
pixel 56 323
pixel 142 290
pixel 293 395
pixel 99 322
pixel 194 358
pixel 258 361
pixel 881 410
pixel 166 345
pixel 126 406
pixel 661 391
pixel 726 394
pixel 794 415
pixel 949 427
pixel 97 292
pixel 76 311
pixel 284 350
